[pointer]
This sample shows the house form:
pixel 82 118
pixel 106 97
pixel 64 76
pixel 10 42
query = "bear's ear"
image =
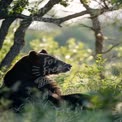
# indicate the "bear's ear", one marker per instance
pixel 33 55
pixel 43 51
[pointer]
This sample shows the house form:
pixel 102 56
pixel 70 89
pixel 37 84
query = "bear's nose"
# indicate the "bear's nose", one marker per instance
pixel 68 66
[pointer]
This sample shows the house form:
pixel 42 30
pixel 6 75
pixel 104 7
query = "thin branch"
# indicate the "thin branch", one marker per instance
pixel 73 16
pixel 105 4
pixel 58 21
pixel 91 28
pixel 47 7
pixel 111 48
pixel 96 12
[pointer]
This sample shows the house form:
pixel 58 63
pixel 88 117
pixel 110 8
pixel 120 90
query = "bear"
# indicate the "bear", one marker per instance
pixel 31 73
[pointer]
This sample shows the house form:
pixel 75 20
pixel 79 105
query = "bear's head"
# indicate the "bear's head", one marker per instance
pixel 44 64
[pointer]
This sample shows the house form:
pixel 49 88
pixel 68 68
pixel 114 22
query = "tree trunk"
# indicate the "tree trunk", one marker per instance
pixel 98 41
pixel 98 36
pixel 4 29
pixel 14 51
pixel 17 46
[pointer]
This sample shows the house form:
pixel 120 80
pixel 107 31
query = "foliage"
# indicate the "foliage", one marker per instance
pixel 41 112
pixel 17 7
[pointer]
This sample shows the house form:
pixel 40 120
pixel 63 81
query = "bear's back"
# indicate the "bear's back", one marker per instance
pixel 17 72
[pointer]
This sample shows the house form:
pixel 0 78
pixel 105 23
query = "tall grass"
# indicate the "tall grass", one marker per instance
pixel 42 112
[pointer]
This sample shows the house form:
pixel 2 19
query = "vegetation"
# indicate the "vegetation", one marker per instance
pixel 83 78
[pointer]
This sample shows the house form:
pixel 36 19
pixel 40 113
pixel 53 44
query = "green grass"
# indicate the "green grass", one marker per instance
pixel 42 112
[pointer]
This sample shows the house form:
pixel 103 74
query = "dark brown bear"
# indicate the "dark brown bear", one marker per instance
pixel 30 72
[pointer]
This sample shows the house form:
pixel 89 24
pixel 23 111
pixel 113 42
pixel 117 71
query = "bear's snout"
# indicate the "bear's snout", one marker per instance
pixel 68 67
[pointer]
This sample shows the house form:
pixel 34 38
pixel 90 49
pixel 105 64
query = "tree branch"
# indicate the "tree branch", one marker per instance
pixel 105 4
pixel 111 48
pixel 14 16
pixel 72 16
pixel 91 28
pixel 58 21
pixel 47 7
